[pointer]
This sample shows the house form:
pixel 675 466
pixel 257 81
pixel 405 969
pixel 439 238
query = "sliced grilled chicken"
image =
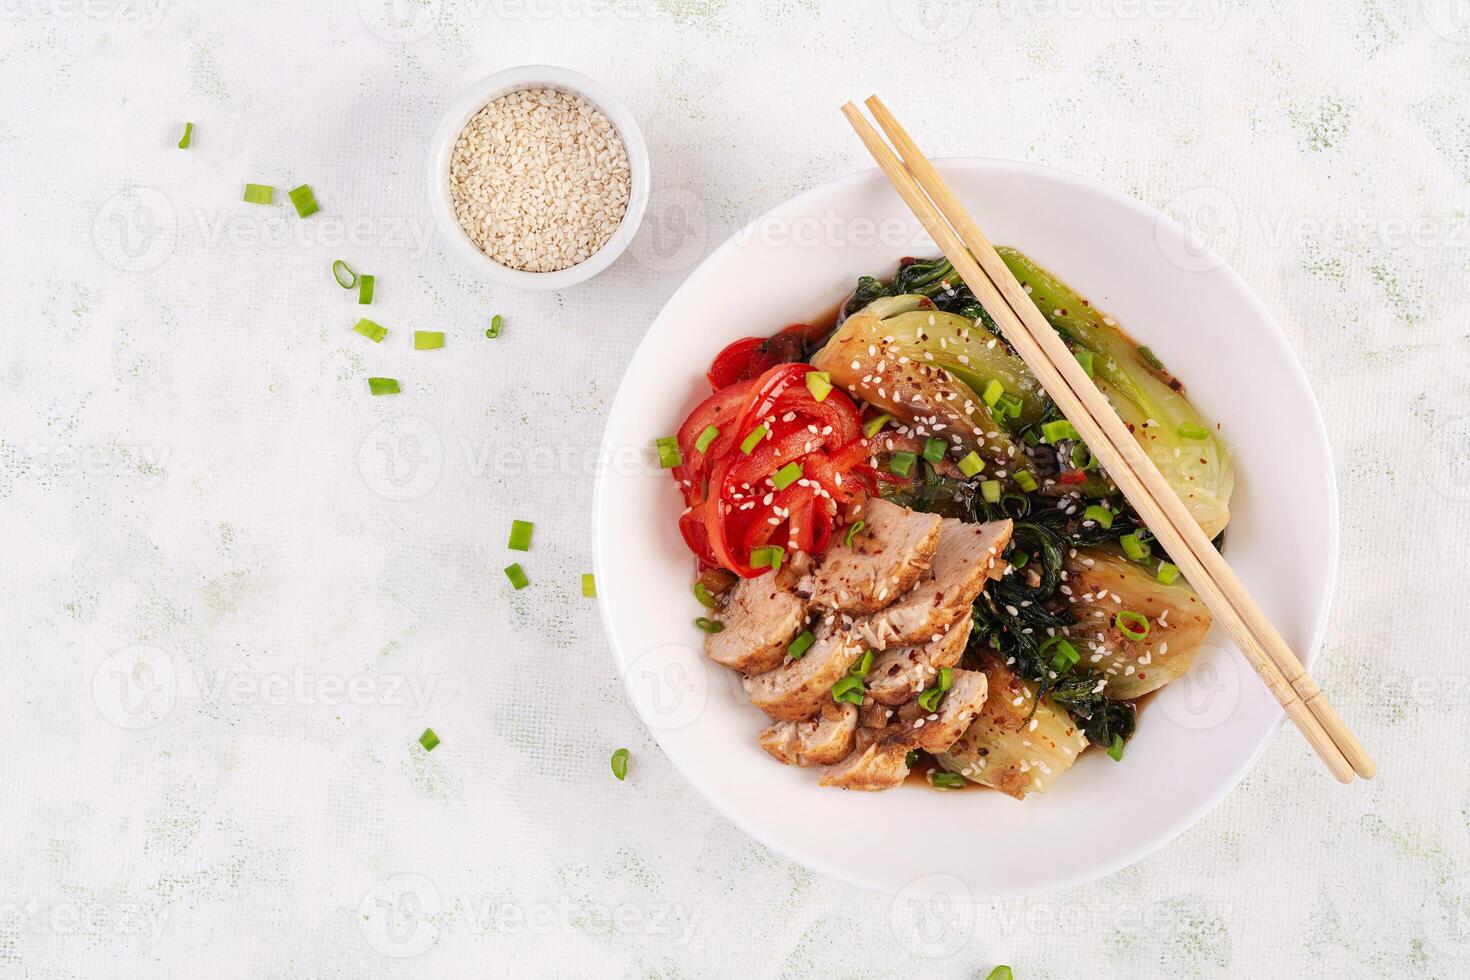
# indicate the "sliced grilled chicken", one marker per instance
pixel 1007 747
pixel 940 729
pixel 902 672
pixel 823 740
pixel 761 618
pixel 796 690
pixel 943 594
pixel 895 547
pixel 882 765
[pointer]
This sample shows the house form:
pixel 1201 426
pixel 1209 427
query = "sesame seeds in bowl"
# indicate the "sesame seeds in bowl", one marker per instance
pixel 538 177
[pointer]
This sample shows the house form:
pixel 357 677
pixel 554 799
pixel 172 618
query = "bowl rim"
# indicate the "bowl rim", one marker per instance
pixel 474 98
pixel 602 563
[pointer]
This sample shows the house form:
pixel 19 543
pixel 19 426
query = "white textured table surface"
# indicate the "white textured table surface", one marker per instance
pixel 194 483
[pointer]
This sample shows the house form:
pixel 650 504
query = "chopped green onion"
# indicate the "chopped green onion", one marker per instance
pixel 703 595
pixel 993 390
pixel 946 780
pixel 1019 559
pixel 517 576
pixel 1057 431
pixel 1029 438
pixel 767 556
pixel 383 386
pixel 1191 431
pixel 428 339
pixel 371 330
pixel 871 427
pixel 304 200
pixel 929 700
pixel 1133 625
pixel 520 535
pixel 748 444
pixel 709 435
pixel 1065 656
pixel 786 476
pixel 493 330
pixel 849 689
pixel 1084 357
pixel 819 383
pixel 1115 751
pixel 1000 973
pixel 1098 513
pixel 259 193
pixel 801 645
pixel 902 464
pixel 428 740
pixel 971 464
pixel 338 268
pixel 934 449
pixel 589 585
pixel 1167 573
pixel 990 490
pixel 1134 547
pixel 1025 481
pixel 1009 406
pixel 853 530
pixel 668 452
pixel 864 664
pixel 911 758
pixel 365 290
pixel 188 136
pixel 1151 357
pixel 709 625
pixel 1082 457
pixel 620 764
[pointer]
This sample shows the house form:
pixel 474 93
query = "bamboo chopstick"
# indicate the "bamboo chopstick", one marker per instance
pixel 1129 466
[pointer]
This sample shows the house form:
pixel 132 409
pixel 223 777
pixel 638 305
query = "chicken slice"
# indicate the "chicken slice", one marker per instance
pixel 761 618
pixel 943 594
pixel 902 672
pixel 895 547
pixel 943 727
pixel 882 765
pixel 796 690
pixel 823 740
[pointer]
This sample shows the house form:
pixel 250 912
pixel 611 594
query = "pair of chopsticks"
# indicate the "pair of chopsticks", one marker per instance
pixel 1107 437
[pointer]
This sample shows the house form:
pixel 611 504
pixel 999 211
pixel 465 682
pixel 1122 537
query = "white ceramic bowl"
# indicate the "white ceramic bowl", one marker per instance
pixel 475 98
pixel 1195 739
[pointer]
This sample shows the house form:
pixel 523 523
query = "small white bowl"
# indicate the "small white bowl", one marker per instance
pixel 492 87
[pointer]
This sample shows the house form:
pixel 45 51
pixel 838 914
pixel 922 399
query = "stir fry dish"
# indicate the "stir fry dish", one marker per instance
pixel 912 557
